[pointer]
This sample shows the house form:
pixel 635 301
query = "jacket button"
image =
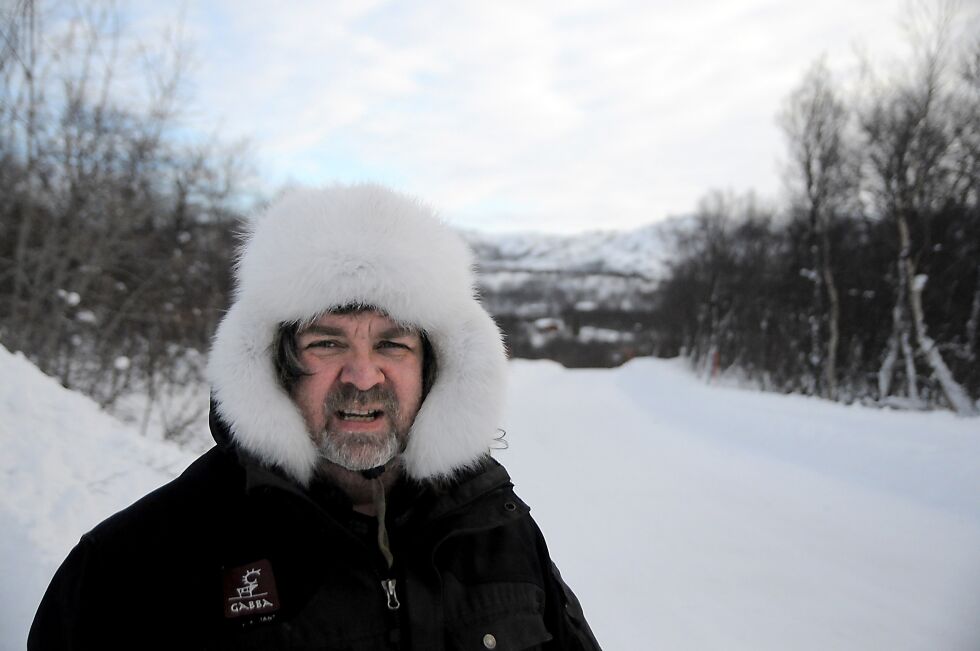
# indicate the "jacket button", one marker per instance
pixel 489 641
pixel 510 506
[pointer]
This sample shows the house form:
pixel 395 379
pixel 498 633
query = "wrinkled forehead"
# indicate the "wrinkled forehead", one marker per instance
pixel 359 318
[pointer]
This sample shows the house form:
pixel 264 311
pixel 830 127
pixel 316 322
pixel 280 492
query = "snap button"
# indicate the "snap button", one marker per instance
pixel 510 506
pixel 489 641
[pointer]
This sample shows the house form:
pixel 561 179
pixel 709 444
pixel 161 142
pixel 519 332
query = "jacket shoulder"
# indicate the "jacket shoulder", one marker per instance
pixel 189 502
pixel 114 581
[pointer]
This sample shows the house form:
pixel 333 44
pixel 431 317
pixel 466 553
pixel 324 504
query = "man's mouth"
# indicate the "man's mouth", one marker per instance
pixel 359 415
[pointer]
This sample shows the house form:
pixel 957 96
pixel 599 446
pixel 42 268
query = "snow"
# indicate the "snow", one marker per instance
pixel 639 252
pixel 685 516
pixel 66 465
pixel 86 316
pixel 71 298
pixel 589 334
pixel 695 517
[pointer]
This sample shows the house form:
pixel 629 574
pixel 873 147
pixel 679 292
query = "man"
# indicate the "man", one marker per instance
pixel 351 501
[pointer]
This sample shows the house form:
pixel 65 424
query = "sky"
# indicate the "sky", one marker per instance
pixel 554 116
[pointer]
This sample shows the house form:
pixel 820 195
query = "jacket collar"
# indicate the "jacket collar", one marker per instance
pixel 429 500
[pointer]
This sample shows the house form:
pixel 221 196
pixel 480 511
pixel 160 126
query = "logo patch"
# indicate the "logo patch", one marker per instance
pixel 250 590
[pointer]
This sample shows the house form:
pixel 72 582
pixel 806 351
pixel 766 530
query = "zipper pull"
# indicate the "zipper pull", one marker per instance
pixel 388 585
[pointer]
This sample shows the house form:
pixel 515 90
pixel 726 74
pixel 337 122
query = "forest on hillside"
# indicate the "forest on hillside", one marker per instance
pixel 866 286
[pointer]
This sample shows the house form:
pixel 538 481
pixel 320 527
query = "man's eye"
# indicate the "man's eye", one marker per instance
pixel 322 343
pixel 391 344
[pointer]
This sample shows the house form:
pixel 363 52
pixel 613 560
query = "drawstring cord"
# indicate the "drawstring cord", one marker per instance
pixel 378 495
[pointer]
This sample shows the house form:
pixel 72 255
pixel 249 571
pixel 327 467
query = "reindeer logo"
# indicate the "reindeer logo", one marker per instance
pixel 250 581
pixel 250 590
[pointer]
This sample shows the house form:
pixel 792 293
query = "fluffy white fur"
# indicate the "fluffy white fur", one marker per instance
pixel 314 250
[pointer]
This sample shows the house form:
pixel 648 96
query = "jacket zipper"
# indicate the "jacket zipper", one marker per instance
pixel 394 635
pixel 389 585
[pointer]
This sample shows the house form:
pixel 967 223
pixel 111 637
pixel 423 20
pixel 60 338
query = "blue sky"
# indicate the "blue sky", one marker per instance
pixel 554 116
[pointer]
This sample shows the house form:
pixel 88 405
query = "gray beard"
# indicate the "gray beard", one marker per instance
pixel 355 451
pixel 359 451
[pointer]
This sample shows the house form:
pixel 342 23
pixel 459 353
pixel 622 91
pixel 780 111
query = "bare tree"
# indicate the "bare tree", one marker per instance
pixel 908 138
pixel 966 144
pixel 112 228
pixel 814 119
pixel 874 265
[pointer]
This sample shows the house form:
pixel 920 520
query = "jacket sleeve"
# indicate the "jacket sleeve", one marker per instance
pixel 567 623
pixel 68 606
pixel 563 612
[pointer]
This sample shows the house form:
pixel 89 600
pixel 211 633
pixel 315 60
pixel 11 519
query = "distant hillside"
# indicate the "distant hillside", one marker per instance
pixel 638 252
pixel 583 300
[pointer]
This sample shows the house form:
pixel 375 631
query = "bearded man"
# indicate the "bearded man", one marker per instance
pixel 351 501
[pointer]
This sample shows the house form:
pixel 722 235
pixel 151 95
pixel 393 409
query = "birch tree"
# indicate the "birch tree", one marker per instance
pixel 909 137
pixel 814 119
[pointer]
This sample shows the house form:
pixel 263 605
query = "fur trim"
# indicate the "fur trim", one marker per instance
pixel 313 250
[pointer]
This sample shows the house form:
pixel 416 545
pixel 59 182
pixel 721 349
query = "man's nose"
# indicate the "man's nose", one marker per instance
pixel 362 372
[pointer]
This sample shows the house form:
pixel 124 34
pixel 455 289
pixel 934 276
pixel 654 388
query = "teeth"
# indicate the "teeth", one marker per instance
pixel 358 416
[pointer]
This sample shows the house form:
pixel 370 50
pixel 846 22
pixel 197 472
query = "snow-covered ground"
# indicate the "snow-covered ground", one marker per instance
pixel 685 516
pixel 697 517
pixel 64 466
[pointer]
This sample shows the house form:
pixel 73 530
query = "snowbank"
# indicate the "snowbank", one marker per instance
pixel 66 465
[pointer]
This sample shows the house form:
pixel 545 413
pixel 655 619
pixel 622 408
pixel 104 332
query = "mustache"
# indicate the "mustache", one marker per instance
pixel 347 395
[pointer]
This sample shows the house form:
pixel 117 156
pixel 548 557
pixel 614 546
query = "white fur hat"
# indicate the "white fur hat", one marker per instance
pixel 313 250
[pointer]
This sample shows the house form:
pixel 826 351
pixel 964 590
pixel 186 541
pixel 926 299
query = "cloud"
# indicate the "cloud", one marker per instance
pixel 546 115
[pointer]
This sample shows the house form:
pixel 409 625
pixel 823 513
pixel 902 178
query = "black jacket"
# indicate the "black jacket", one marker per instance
pixel 231 555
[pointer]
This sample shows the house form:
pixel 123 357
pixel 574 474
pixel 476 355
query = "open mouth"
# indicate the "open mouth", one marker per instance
pixel 359 415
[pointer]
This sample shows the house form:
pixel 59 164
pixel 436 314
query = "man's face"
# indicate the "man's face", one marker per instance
pixel 364 387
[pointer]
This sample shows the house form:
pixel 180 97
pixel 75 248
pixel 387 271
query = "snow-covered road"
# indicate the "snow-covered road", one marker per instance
pixel 697 517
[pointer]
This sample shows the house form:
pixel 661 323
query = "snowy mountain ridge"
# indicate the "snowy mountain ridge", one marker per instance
pixel 640 252
pixel 583 299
